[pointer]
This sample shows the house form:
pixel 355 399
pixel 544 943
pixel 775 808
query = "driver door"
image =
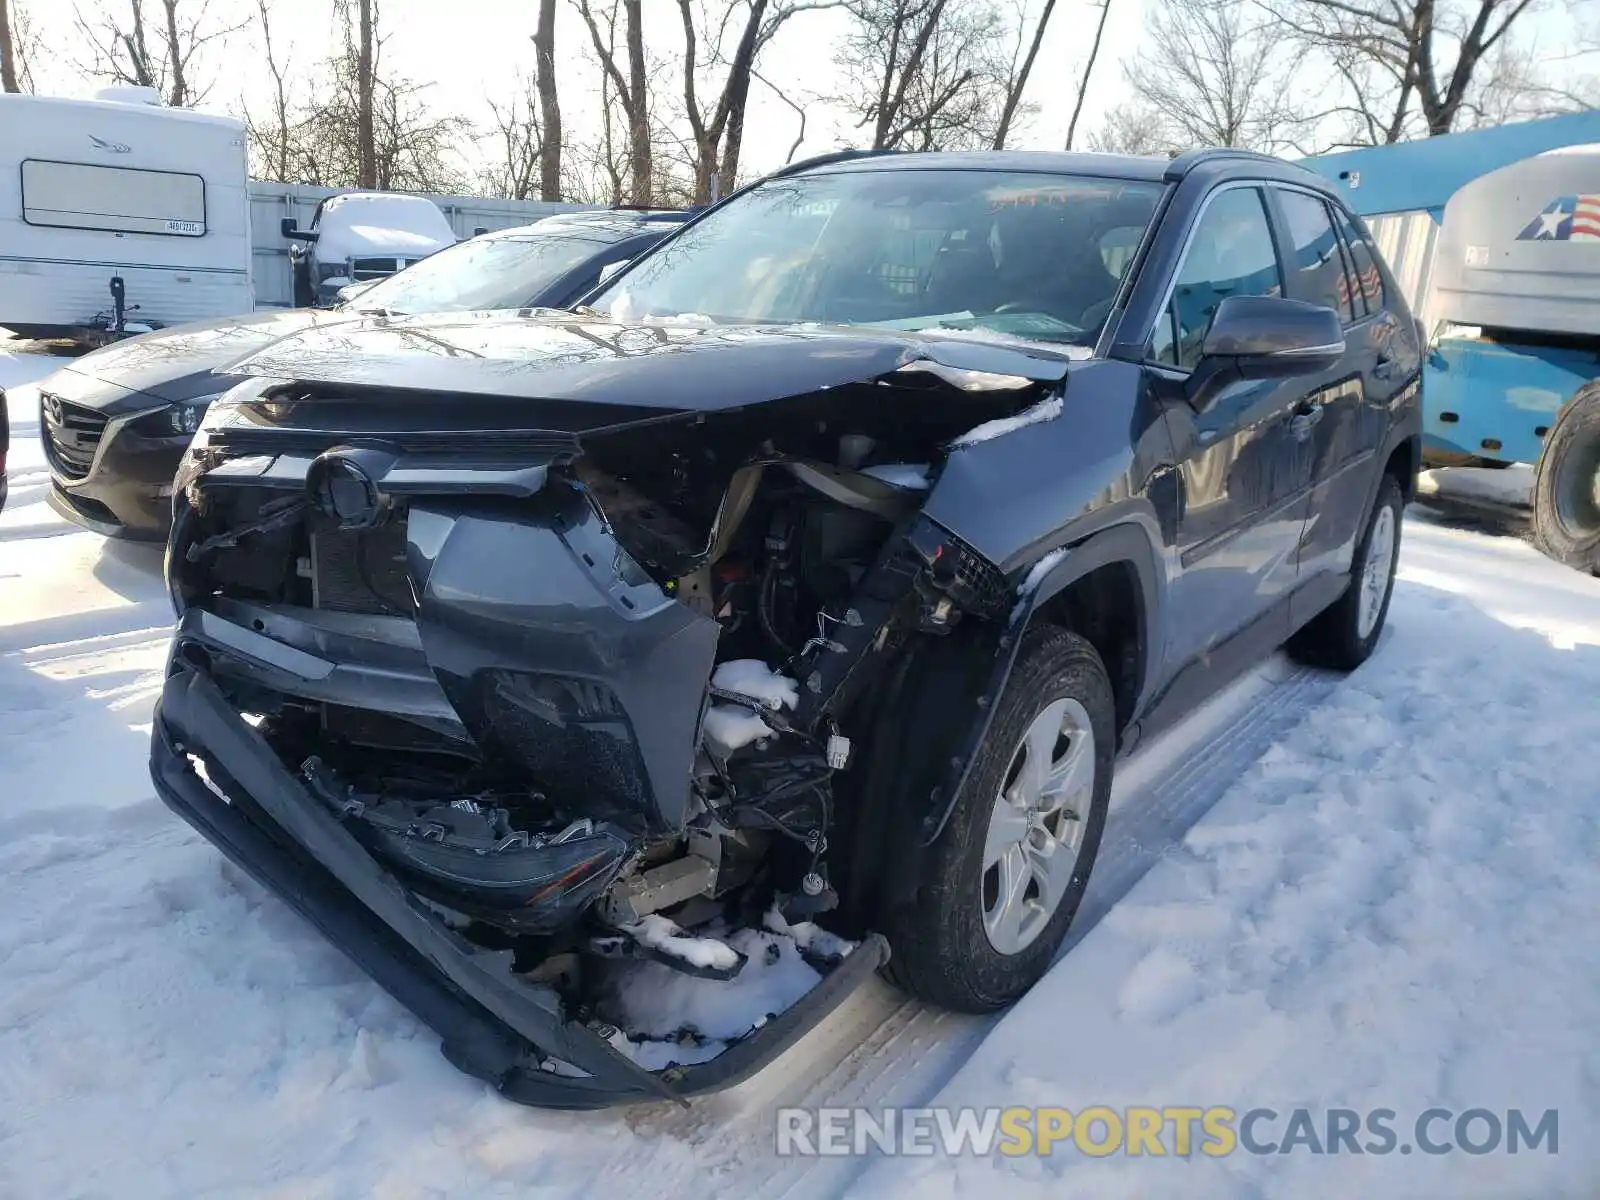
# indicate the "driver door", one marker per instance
pixel 1244 464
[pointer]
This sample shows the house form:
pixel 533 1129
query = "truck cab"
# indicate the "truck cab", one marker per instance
pixel 359 237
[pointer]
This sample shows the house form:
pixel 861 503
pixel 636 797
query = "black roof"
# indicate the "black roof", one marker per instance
pixel 1070 162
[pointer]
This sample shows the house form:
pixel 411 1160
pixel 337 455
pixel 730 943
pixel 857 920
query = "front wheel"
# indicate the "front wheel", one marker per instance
pixel 1011 866
pixel 1566 484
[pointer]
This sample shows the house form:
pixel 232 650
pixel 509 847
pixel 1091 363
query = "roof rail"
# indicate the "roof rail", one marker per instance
pixel 822 160
pixel 1183 163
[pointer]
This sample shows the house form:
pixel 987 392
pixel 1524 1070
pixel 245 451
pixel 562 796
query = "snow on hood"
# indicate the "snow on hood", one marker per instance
pixel 362 226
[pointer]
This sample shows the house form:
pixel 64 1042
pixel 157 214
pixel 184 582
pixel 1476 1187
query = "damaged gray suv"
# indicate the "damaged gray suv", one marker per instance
pixel 779 615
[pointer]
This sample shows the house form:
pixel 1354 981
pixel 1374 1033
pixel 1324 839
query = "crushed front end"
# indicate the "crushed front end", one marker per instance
pixel 531 722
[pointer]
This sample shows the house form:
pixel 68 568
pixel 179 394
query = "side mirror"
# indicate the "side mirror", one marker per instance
pixel 290 228
pixel 1264 337
pixel 611 268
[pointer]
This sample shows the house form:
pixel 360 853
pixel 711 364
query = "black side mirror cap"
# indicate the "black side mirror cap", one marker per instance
pixel 1264 337
pixel 290 228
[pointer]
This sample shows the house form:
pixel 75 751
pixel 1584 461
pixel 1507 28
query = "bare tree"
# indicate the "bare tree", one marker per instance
pixel 1402 64
pixel 717 133
pixel 1017 80
pixel 321 142
pixel 15 39
pixel 1213 72
pixel 130 51
pixel 272 140
pixel 1088 70
pixel 938 72
pixel 1134 127
pixel 631 90
pixel 519 137
pixel 544 49
pixel 364 51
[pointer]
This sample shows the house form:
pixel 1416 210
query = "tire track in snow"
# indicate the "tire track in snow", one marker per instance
pixel 883 1048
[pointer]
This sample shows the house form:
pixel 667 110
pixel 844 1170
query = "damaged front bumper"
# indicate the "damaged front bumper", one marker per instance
pixel 493 1025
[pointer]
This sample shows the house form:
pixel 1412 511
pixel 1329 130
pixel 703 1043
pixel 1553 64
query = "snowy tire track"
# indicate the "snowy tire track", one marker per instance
pixel 883 1048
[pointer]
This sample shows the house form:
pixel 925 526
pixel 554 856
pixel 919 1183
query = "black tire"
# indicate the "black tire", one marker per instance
pixel 1334 638
pixel 941 950
pixel 1566 511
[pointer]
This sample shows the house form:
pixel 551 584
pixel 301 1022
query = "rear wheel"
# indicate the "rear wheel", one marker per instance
pixel 1566 484
pixel 1011 866
pixel 1344 635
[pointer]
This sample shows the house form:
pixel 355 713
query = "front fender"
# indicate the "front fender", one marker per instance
pixel 1132 541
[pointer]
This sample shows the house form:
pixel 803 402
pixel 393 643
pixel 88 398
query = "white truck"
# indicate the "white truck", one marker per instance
pixel 118 214
pixel 361 237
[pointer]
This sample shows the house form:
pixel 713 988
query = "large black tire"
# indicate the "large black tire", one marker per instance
pixel 1344 635
pixel 1566 508
pixel 942 951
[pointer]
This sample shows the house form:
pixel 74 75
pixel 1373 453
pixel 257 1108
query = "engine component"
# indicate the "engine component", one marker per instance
pixel 628 900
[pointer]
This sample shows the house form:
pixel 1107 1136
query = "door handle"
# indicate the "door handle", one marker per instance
pixel 1305 419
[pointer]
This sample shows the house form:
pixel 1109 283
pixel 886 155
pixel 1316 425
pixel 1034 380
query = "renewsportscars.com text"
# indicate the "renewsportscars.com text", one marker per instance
pixel 1160 1131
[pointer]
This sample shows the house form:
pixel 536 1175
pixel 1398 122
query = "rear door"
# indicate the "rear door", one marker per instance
pixel 1244 465
pixel 1345 434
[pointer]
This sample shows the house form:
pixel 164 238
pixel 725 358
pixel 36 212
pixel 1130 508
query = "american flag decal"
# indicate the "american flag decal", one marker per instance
pixel 1566 219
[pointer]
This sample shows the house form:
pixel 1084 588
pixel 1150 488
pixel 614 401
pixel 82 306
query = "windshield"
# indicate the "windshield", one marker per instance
pixel 1025 255
pixel 485 273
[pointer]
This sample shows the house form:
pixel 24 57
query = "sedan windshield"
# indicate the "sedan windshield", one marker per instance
pixel 1020 254
pixel 485 273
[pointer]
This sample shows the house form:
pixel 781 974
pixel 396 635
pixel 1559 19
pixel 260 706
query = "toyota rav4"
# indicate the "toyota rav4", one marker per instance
pixel 780 615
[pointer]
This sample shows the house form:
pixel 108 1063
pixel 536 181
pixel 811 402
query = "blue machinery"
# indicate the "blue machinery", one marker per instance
pixel 1516 274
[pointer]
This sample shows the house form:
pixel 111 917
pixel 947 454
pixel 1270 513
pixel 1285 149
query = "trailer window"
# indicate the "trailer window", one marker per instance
pixel 115 199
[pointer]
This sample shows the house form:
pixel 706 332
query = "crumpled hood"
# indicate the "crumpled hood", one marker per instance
pixel 550 355
pixel 179 363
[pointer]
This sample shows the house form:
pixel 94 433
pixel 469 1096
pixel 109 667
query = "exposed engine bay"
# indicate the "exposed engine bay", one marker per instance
pixel 602 720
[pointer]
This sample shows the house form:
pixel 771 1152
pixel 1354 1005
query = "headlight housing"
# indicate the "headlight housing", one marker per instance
pixel 185 419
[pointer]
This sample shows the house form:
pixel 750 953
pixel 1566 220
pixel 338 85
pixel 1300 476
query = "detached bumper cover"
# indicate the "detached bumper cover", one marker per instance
pixel 493 1027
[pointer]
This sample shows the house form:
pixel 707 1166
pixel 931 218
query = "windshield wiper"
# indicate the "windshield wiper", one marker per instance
pixel 380 312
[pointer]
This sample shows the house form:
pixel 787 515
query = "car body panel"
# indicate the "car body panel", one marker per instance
pixel 547 355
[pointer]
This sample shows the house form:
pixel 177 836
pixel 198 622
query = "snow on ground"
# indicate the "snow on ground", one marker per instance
pixel 25 511
pixel 1392 907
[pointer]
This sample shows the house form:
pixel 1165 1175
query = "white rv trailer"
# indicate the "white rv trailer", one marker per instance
pixel 120 188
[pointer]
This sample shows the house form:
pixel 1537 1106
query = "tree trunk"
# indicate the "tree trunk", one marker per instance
pixel 1016 86
pixel 1088 68
pixel 8 51
pixel 544 48
pixel 366 139
pixel 639 156
pixel 178 87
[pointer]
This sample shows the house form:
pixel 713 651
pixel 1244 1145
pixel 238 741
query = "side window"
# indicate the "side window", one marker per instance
pixel 1317 267
pixel 1230 254
pixel 1364 261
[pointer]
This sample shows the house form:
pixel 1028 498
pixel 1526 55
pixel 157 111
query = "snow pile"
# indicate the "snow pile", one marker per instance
pixel 1508 487
pixel 731 726
pixel 671 1017
pixel 752 677
pixel 809 936
pixel 661 934
pixel 1394 908
pixel 1045 410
